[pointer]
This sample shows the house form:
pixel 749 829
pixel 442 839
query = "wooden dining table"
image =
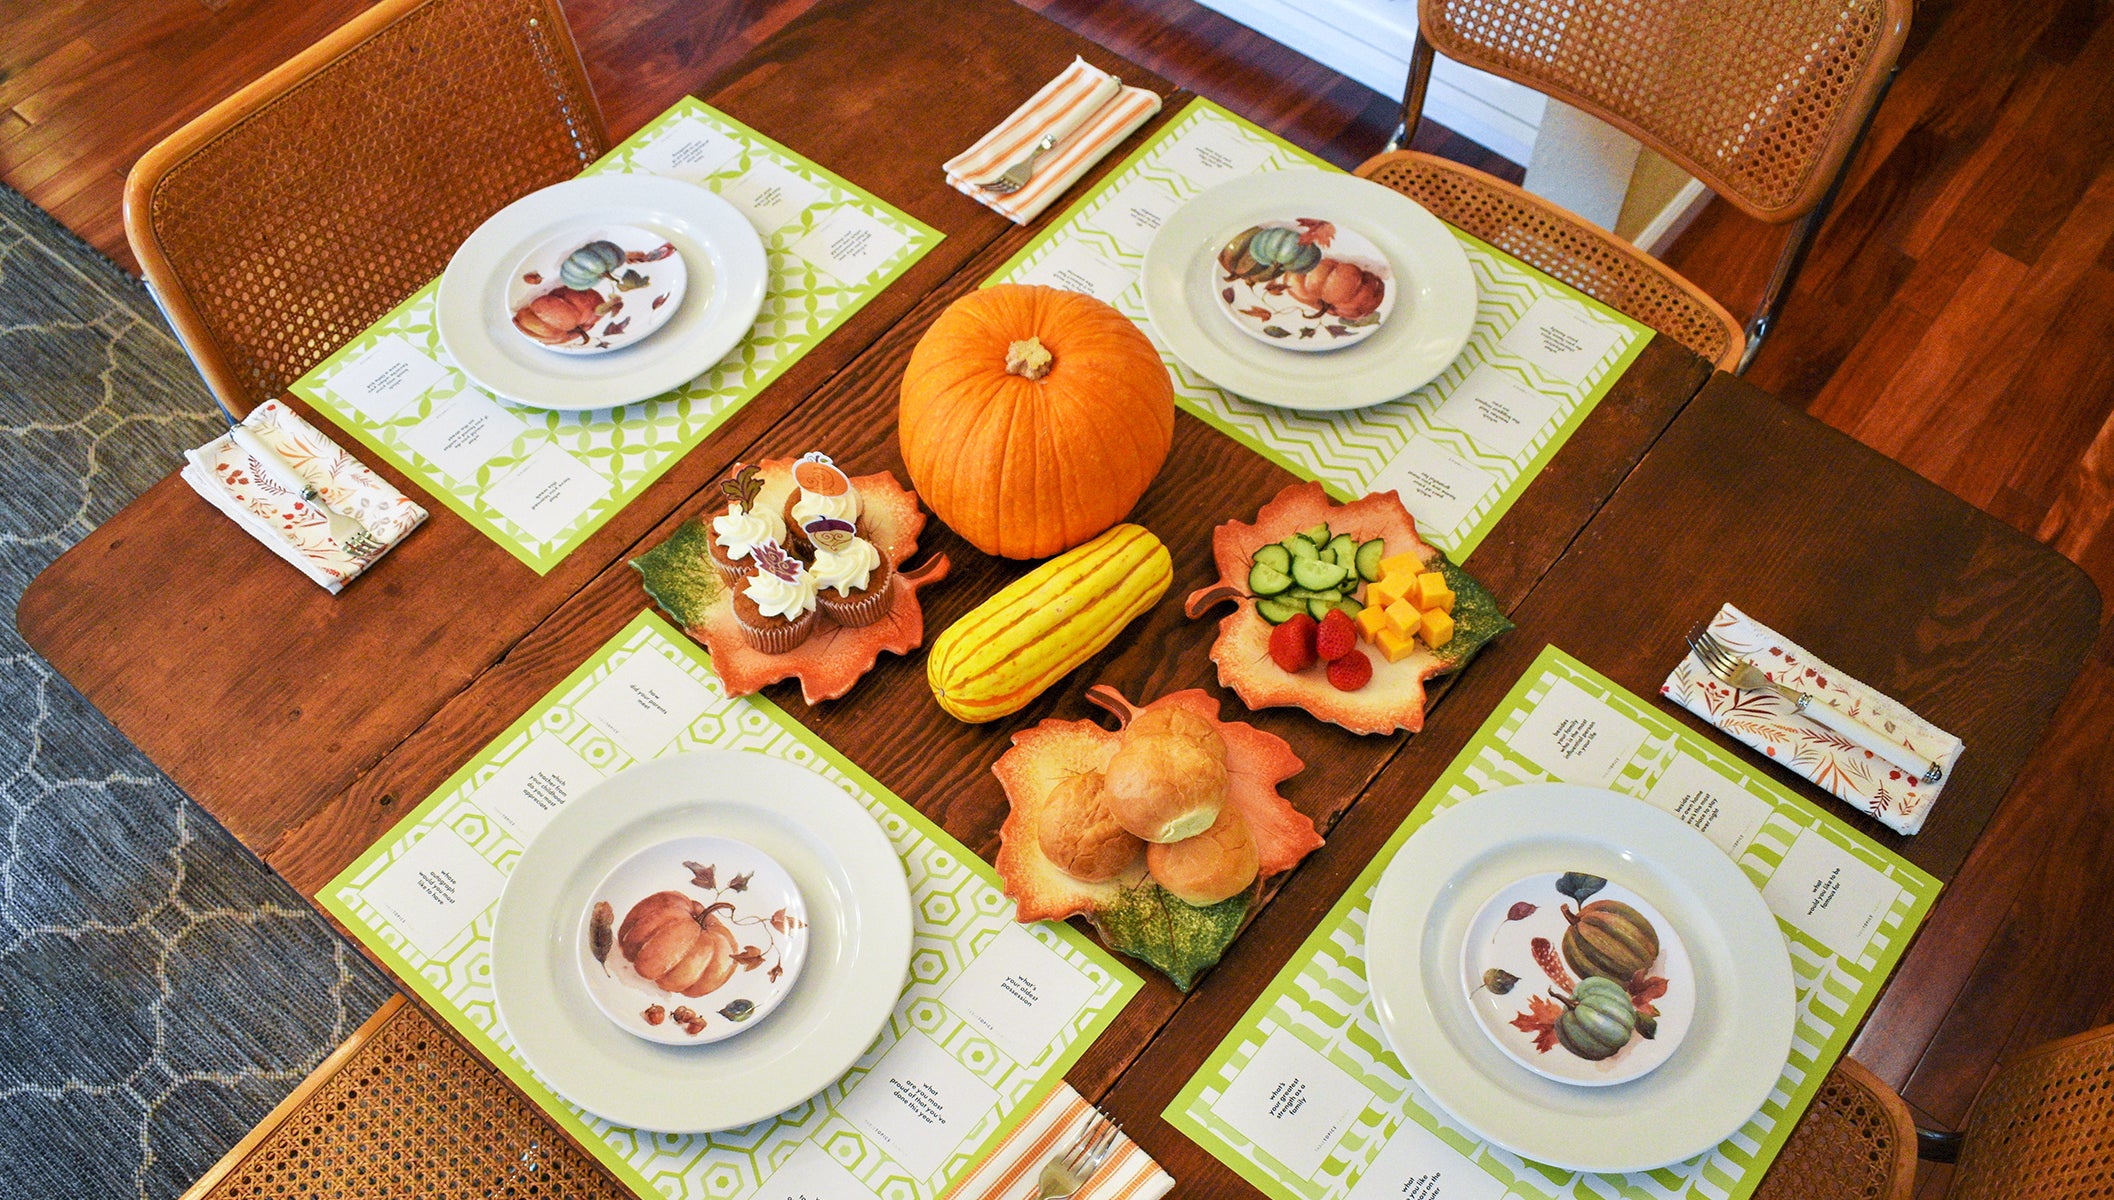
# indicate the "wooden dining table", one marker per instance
pixel 309 724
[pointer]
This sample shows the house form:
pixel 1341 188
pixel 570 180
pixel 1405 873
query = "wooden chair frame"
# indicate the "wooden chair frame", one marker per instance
pixel 161 273
pixel 1807 210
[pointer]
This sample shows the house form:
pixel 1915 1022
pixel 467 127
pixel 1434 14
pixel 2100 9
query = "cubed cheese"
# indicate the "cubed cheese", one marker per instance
pixel 1403 617
pixel 1395 645
pixel 1438 628
pixel 1371 620
pixel 1405 562
pixel 1392 587
pixel 1432 592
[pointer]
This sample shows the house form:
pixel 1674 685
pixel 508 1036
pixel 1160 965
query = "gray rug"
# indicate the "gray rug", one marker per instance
pixel 160 990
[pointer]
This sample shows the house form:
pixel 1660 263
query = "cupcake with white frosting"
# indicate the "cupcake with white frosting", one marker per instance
pixel 775 607
pixel 819 490
pixel 745 525
pixel 852 578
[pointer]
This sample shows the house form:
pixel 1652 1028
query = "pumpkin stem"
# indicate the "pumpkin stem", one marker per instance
pixel 1029 359
pixel 1568 915
pixel 706 915
pixel 1569 1001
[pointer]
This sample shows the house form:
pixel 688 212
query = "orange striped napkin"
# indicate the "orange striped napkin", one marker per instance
pixel 1009 1171
pixel 1092 104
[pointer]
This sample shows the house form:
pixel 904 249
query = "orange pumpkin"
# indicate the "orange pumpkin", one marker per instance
pixel 679 943
pixel 1032 419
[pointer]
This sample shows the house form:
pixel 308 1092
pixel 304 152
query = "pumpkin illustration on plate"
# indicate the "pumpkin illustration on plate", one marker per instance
pixel 1598 1018
pixel 679 943
pixel 1339 289
pixel 560 317
pixel 1610 939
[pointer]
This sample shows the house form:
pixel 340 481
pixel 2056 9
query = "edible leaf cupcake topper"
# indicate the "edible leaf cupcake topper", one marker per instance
pixel 743 489
pixel 772 557
pixel 829 533
pixel 817 473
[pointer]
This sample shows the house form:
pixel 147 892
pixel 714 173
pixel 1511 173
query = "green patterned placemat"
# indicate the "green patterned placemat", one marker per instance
pixel 1362 1129
pixel 992 1016
pixel 540 482
pixel 1460 449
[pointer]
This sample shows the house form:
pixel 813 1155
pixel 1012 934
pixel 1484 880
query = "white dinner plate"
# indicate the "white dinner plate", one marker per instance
pixel 858 951
pixel 1434 305
pixel 1740 1035
pixel 727 275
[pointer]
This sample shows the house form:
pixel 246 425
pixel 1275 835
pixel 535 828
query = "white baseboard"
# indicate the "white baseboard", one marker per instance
pixel 1659 233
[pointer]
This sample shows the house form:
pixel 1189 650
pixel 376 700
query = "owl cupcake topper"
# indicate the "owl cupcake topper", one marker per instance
pixel 829 533
pixel 817 473
pixel 743 489
pixel 772 557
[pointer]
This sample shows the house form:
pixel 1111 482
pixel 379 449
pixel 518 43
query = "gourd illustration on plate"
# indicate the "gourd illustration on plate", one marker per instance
pixel 1158 832
pixel 1341 609
pixel 1607 974
pixel 1042 626
pixel 1302 283
pixel 1032 419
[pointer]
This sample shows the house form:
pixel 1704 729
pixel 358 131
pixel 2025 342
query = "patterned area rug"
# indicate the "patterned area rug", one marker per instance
pixel 160 990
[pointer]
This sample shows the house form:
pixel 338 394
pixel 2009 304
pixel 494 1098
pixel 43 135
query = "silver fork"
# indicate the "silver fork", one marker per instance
pixel 1069 1169
pixel 345 530
pixel 1735 671
pixel 1016 177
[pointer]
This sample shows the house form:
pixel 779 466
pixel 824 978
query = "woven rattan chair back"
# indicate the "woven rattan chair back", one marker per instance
pixel 402 1110
pixel 2043 1127
pixel 1856 1141
pixel 290 217
pixel 1762 100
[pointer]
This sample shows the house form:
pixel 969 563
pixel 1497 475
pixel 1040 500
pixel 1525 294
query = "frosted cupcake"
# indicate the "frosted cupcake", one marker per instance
pixel 819 490
pixel 743 527
pixel 851 577
pixel 776 607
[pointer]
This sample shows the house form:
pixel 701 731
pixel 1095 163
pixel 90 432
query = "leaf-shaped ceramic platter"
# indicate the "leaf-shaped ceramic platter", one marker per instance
pixel 1395 697
pixel 678 574
pixel 1133 914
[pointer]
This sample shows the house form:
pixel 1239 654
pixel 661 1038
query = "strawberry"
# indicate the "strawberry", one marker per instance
pixel 1292 644
pixel 1351 672
pixel 1337 636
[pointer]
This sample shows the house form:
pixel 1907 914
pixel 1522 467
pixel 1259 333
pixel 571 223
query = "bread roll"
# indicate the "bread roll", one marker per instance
pixel 1180 722
pixel 1164 787
pixel 1076 832
pixel 1212 866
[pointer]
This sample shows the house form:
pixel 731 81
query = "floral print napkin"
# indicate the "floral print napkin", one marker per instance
pixel 1767 722
pixel 235 483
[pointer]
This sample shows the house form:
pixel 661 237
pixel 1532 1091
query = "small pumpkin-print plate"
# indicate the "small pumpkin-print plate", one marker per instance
pixel 590 290
pixel 1304 283
pixel 1578 979
pixel 693 940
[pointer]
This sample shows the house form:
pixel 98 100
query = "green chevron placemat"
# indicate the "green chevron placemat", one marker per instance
pixel 539 482
pixel 993 1014
pixel 1361 1129
pixel 1460 449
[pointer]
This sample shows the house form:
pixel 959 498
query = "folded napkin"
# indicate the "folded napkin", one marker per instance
pixel 1009 1171
pixel 1105 112
pixel 1767 722
pixel 237 484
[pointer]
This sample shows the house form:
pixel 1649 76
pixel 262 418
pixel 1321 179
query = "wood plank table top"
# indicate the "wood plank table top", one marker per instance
pixel 1657 510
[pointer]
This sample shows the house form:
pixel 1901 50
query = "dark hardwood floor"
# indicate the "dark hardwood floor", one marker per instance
pixel 1953 316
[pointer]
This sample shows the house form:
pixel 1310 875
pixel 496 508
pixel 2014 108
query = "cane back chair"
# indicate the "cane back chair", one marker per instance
pixel 2043 1127
pixel 1856 1141
pixel 402 1110
pixel 288 218
pixel 1764 102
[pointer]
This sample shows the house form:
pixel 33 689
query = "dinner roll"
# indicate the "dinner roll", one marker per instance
pixel 1076 832
pixel 1212 866
pixel 1165 787
pixel 1169 718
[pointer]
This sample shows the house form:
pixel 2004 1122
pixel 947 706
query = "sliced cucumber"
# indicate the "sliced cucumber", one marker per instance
pixel 1320 608
pixel 1265 580
pixel 1277 612
pixel 1296 548
pixel 1319 535
pixel 1343 551
pixel 1350 607
pixel 1275 557
pixel 1296 592
pixel 1368 559
pixel 1316 575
